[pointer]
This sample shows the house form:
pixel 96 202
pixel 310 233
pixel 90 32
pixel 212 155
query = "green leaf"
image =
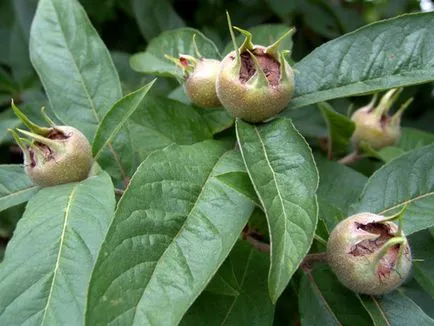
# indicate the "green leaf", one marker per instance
pixel 395 308
pixel 24 11
pixel 339 187
pixel 237 295
pixel 19 55
pixel 173 43
pixel 154 125
pixel 173 228
pixel 265 35
pixel 422 244
pixel 130 79
pixel 410 139
pixel 390 53
pixel 155 16
pixel 386 154
pixel 340 129
pixel 73 64
pixel 216 119
pixel 47 265
pixel 15 186
pixel 309 121
pixel 409 179
pixel 7 122
pixel 117 117
pixel 415 292
pixel 414 138
pixel 323 300
pixel 283 172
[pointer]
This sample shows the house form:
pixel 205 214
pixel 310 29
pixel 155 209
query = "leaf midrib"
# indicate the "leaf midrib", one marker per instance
pixel 59 254
pixel 281 201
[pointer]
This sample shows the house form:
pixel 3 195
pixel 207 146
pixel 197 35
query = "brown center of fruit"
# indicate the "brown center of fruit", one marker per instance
pixel 367 247
pixel 57 134
pixel 269 65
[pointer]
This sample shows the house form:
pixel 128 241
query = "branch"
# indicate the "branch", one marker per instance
pixel 119 192
pixel 351 158
pixel 308 261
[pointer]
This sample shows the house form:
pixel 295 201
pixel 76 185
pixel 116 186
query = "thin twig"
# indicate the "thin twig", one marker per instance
pixel 350 158
pixel 307 262
pixel 261 246
pixel 119 192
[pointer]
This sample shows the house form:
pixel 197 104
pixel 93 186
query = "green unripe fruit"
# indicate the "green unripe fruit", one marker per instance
pixel 255 82
pixel 55 155
pixel 373 124
pixel 64 156
pixel 201 83
pixel 369 254
pixel 244 96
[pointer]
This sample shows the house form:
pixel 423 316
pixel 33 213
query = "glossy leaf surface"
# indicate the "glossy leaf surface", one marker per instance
pixel 173 228
pixel 47 265
pixel 390 53
pixel 283 172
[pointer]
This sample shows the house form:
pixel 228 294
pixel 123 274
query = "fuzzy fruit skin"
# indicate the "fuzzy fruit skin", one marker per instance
pixel 370 130
pixel 201 84
pixel 248 102
pixel 359 273
pixel 70 163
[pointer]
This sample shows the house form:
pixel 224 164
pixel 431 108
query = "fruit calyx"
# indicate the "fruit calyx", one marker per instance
pixel 258 65
pixel 374 126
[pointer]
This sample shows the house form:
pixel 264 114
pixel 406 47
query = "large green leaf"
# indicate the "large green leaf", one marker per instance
pixel 155 16
pixel 73 63
pixel 174 43
pixel 409 179
pixel 323 300
pixel 237 295
pixel 159 122
pixel 47 265
pixel 117 117
pixel 15 186
pixel 395 309
pixel 78 75
pixel 173 228
pixel 422 244
pixel 283 172
pixel 390 53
